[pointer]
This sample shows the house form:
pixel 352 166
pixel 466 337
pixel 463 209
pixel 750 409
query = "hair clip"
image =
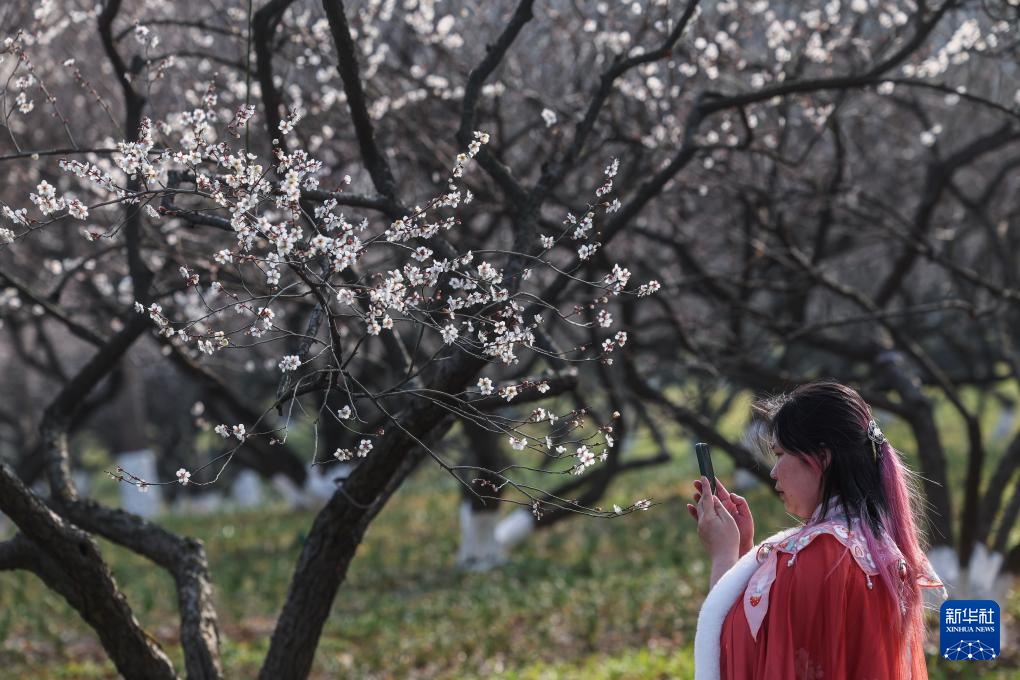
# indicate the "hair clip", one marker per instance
pixel 877 439
pixel 875 433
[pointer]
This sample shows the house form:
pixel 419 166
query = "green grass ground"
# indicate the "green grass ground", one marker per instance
pixel 594 599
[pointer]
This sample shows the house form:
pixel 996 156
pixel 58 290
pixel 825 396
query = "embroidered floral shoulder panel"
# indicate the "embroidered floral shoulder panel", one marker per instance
pixel 756 595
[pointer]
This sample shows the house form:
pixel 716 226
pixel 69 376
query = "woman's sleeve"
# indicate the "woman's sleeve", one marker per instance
pixel 824 623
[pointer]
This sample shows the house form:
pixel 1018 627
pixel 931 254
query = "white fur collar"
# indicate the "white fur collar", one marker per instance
pixel 717 605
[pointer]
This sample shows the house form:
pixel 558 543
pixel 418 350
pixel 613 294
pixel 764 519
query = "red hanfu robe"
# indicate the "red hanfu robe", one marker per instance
pixel 808 603
pixel 823 623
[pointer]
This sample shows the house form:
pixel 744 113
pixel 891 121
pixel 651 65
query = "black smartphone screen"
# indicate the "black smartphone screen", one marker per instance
pixel 705 463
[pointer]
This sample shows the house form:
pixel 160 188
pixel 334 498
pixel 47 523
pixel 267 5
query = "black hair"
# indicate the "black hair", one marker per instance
pixel 827 419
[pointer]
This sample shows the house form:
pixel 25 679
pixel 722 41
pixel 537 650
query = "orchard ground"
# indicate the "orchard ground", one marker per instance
pixel 588 598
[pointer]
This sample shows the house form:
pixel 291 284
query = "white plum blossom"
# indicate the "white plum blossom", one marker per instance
pixel 643 504
pixel 345 296
pixel 485 386
pixel 287 124
pixel 344 413
pixel 145 37
pixel 183 476
pixel 239 432
pixel 621 338
pixel 518 444
pixel 289 363
pixel 191 278
pixel 617 279
pixel 486 272
pixel 928 138
pixel 25 105
pixel 6 236
pixel 508 392
pixel 242 115
pixel 77 209
pixel 548 242
pixel 549 116
pixel 605 319
pixel 223 431
pixel 17 216
pixel 450 334
pixel 585 459
pixel 364 446
pixel 421 253
pixel 46 198
pixel 649 288
pixel 478 139
pixel 343 455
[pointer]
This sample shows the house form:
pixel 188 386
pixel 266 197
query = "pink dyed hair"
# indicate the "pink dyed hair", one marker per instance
pixel 826 418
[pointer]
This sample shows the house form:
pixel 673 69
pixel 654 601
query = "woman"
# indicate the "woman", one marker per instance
pixel 838 597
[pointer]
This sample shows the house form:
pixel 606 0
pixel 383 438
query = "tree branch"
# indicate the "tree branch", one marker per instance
pixel 78 572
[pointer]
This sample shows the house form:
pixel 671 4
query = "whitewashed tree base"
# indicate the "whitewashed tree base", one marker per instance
pixel 82 483
pixel 290 491
pixel 320 487
pixel 246 491
pixel 142 464
pixel 479 549
pixel 316 491
pixel 744 480
pixel 983 579
pixel 514 528
pixel 207 503
pixel 1004 425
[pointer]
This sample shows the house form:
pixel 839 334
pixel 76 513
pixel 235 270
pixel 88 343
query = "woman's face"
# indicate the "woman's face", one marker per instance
pixel 798 482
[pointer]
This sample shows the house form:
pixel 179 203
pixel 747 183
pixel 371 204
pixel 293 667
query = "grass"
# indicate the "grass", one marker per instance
pixel 595 599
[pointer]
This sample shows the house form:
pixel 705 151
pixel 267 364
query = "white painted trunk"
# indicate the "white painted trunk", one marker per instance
pixel 316 491
pixel 83 483
pixel 514 528
pixel 479 549
pixel 320 488
pixel 246 490
pixel 290 491
pixel 744 480
pixel 142 464
pixel 199 504
pixel 1004 426
pixel 982 580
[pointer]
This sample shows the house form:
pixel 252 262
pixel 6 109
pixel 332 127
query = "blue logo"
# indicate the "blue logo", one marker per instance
pixel 970 630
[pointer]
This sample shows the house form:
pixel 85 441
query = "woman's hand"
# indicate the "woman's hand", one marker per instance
pixel 716 527
pixel 735 505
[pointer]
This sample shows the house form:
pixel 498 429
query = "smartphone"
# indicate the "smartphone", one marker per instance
pixel 705 463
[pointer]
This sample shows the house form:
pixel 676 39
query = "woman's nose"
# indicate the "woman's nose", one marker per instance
pixel 772 472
